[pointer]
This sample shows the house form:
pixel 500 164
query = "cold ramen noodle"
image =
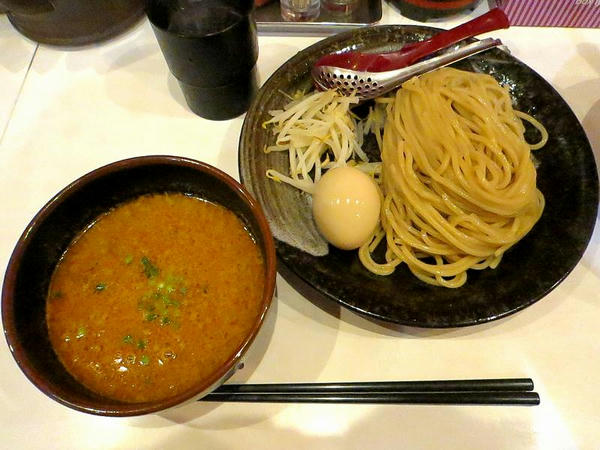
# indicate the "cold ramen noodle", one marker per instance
pixel 457 181
pixel 154 296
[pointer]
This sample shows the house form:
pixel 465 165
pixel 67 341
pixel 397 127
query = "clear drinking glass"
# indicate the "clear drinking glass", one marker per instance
pixel 300 10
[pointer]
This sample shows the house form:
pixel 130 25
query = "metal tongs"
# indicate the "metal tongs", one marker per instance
pixel 369 75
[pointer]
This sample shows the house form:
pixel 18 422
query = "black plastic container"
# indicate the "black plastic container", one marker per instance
pixel 211 48
pixel 224 101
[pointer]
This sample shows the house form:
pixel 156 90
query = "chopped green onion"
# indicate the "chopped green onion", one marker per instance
pixel 128 339
pixel 144 360
pixel 164 292
pixel 150 270
pixel 141 344
pixel 80 332
pixel 168 301
pixel 150 317
pixel 100 287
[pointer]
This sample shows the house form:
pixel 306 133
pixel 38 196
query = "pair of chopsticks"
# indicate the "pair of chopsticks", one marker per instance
pixel 504 391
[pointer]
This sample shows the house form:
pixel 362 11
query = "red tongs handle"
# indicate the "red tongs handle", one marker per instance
pixel 411 53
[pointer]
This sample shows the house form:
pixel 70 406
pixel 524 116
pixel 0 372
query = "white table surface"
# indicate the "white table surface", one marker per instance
pixel 16 55
pixel 73 110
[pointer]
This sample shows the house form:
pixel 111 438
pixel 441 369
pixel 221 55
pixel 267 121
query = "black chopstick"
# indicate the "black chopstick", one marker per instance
pixel 423 398
pixel 503 391
pixel 498 384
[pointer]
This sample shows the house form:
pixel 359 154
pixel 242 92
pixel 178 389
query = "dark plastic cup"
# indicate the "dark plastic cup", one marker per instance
pixel 211 48
pixel 222 102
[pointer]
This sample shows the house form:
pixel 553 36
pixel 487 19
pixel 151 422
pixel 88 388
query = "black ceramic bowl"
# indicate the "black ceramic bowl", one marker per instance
pixel 566 175
pixel 424 10
pixel 62 218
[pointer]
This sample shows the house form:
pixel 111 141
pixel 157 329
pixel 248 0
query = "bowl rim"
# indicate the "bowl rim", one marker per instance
pixel 201 388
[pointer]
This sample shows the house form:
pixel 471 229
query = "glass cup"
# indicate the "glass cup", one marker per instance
pixel 211 48
pixel 300 10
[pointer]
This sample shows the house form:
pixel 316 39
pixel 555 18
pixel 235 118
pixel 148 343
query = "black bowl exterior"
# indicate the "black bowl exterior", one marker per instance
pixel 423 11
pixel 63 218
pixel 567 176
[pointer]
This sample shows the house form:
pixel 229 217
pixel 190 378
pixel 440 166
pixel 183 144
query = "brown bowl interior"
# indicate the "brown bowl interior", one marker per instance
pixel 62 218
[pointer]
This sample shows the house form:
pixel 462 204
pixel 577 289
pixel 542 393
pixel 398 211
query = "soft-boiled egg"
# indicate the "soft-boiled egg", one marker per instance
pixel 346 207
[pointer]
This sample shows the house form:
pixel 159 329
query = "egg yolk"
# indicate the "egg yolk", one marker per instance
pixel 346 207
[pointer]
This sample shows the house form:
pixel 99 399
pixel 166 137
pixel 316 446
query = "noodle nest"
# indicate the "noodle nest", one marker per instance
pixel 458 182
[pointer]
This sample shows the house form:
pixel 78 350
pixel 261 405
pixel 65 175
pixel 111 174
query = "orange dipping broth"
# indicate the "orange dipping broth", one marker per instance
pixel 154 297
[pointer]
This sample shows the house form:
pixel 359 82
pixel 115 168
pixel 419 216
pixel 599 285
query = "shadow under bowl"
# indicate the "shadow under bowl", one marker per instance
pixel 54 227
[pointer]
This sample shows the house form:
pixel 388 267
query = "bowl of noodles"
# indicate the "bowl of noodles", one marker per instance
pixel 488 185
